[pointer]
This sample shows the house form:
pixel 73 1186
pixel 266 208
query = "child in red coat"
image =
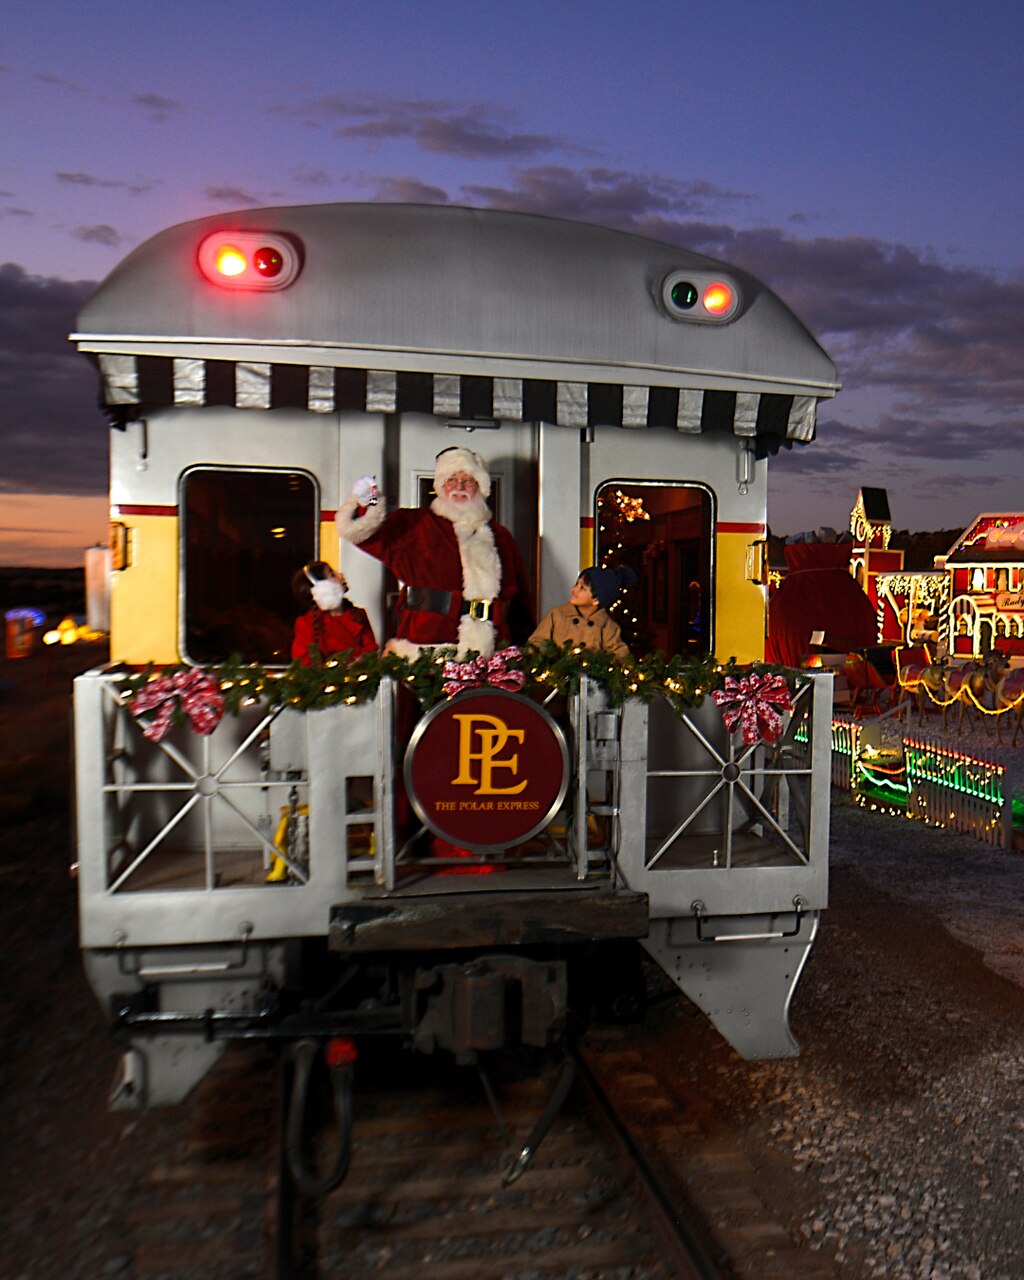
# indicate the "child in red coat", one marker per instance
pixel 330 622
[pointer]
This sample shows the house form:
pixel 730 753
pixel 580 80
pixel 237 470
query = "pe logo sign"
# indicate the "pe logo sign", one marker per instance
pixel 486 769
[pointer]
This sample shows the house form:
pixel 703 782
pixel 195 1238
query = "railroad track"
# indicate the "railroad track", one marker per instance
pixel 715 1186
pixel 626 1185
pixel 424 1193
pixel 203 1209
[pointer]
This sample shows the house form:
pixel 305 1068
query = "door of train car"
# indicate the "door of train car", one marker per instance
pixel 710 827
pixel 403 456
pixel 712 820
pixel 681 511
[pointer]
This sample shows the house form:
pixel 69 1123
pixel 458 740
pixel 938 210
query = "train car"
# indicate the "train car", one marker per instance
pixel 626 395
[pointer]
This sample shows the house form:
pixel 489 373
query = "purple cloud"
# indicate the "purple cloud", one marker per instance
pixel 45 78
pixel 615 197
pixel 52 433
pixel 159 108
pixel 102 233
pixel 306 176
pixel 232 196
pixel 477 131
pixel 407 191
pixel 137 188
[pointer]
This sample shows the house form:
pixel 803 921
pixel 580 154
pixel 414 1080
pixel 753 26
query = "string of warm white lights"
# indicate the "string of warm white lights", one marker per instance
pixel 682 681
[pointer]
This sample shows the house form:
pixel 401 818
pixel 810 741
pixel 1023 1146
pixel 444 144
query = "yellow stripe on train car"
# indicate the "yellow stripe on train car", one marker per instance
pixel 143 596
pixel 740 605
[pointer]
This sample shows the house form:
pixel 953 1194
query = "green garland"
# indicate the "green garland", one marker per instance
pixel 682 682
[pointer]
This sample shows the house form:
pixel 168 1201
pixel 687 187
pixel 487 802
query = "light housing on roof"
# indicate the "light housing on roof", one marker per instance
pixel 255 260
pixel 698 297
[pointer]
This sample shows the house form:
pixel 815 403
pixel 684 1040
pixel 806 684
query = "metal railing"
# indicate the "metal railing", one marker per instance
pixel 207 795
pixel 308 801
pixel 741 827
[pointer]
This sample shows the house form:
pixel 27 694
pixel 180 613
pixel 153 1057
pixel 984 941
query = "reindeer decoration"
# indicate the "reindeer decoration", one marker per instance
pixel 981 684
pixel 989 684
pixel 1009 696
pixel 910 663
pixel 931 683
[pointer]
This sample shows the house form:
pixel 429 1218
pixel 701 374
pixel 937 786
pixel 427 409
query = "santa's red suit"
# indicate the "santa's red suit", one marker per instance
pixel 463 579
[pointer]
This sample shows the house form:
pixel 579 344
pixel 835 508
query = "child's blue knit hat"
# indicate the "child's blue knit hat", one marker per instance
pixel 607 583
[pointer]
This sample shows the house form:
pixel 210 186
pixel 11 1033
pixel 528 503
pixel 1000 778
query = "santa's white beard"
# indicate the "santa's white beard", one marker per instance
pixel 481 566
pixel 471 511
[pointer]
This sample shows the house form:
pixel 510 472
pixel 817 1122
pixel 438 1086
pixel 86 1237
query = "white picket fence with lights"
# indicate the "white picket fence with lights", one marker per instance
pixel 941 785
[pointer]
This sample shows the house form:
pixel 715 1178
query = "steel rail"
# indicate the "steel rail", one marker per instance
pixel 684 1252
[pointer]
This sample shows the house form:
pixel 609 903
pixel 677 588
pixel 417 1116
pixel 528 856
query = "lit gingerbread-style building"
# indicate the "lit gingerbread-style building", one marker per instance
pixel 871 527
pixel 985 569
pixel 971 602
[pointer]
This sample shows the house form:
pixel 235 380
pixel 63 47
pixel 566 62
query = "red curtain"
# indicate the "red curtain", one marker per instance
pixel 818 594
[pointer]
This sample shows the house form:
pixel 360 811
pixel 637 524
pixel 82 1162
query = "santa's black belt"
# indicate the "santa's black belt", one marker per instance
pixel 452 603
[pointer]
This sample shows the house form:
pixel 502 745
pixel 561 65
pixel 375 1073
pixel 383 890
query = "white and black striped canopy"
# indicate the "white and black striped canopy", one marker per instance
pixel 148 382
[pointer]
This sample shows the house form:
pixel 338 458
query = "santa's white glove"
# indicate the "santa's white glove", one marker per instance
pixel 365 491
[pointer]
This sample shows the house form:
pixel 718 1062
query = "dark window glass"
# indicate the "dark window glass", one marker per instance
pixel 245 533
pixel 663 532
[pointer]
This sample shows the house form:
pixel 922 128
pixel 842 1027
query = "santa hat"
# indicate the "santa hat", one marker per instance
pixel 605 584
pixel 455 459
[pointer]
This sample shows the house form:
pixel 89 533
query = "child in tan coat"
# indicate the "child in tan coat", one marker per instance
pixel 584 621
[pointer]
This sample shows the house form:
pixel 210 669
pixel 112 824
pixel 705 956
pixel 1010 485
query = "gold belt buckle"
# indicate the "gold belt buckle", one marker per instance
pixel 480 610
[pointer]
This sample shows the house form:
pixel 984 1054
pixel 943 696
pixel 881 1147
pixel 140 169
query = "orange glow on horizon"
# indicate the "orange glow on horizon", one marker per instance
pixel 51 530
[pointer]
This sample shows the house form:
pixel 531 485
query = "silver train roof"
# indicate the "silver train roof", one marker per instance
pixel 460 312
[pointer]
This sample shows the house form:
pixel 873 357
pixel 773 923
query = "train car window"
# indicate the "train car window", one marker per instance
pixel 663 532
pixel 244 533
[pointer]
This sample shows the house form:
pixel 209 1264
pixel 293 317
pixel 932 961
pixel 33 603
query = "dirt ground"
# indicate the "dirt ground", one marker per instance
pixel 65 1162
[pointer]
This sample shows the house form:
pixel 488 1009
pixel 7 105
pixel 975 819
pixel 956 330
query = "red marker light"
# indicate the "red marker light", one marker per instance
pixel 254 260
pixel 229 261
pixel 717 298
pixel 268 262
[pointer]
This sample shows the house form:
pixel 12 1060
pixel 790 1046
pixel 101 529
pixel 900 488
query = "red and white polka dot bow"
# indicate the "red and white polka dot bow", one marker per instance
pixel 754 702
pixel 480 671
pixel 185 697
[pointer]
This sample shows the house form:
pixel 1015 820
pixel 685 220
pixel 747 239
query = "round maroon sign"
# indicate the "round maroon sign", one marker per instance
pixel 486 769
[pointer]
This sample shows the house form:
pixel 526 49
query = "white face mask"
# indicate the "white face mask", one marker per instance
pixel 328 594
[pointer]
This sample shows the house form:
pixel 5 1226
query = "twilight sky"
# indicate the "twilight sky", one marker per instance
pixel 862 159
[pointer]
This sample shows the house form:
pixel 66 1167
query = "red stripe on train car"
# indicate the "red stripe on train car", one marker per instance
pixel 586 522
pixel 739 526
pixel 141 509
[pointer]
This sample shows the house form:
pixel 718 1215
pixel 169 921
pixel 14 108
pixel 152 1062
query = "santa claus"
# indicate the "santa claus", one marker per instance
pixel 463 580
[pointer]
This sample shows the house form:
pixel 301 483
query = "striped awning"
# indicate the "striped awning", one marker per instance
pixel 144 382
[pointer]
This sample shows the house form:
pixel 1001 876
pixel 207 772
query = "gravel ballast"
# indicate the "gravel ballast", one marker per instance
pixel 893 1144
